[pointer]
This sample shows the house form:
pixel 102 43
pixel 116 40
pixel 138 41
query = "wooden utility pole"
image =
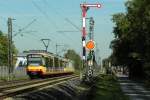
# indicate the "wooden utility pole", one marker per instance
pixel 10 54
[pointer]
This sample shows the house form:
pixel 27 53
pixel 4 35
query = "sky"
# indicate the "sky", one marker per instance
pixel 49 17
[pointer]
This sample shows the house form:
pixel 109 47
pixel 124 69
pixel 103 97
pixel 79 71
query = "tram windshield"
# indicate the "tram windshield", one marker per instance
pixel 35 61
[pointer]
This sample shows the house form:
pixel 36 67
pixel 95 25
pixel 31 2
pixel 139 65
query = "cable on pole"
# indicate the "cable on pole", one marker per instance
pixel 22 29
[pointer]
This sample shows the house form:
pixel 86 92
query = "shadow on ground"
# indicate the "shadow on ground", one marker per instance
pixel 72 90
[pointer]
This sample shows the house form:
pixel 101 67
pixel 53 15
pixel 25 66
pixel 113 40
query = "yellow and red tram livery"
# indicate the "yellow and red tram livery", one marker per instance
pixel 41 64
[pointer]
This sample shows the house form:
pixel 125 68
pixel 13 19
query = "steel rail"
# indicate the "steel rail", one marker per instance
pixel 26 82
pixel 19 89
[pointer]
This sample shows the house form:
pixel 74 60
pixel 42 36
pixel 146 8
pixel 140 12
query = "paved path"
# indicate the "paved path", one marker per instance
pixel 134 90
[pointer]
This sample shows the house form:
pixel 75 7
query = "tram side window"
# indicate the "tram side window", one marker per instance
pixel 56 62
pixel 64 64
pixel 61 63
pixel 47 62
pixel 67 64
pixel 51 62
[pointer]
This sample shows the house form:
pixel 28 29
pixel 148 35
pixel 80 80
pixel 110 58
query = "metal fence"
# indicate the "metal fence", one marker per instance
pixel 16 73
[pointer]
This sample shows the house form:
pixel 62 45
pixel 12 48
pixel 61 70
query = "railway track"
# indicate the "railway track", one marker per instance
pixel 25 87
pixel 13 82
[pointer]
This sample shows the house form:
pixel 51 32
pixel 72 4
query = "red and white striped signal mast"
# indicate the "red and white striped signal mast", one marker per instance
pixel 85 8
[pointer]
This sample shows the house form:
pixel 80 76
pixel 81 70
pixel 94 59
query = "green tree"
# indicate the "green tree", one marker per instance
pixel 4 49
pixel 121 44
pixel 131 45
pixel 72 55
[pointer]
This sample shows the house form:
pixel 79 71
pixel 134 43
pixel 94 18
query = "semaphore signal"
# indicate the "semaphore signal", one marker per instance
pixel 85 8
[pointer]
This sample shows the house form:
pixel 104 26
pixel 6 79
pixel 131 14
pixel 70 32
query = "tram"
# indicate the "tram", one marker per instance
pixel 43 64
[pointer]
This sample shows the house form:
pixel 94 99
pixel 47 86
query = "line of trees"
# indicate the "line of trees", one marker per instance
pixel 71 54
pixel 4 49
pixel 131 46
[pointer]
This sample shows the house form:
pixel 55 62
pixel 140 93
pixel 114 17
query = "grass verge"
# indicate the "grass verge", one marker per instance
pixel 106 87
